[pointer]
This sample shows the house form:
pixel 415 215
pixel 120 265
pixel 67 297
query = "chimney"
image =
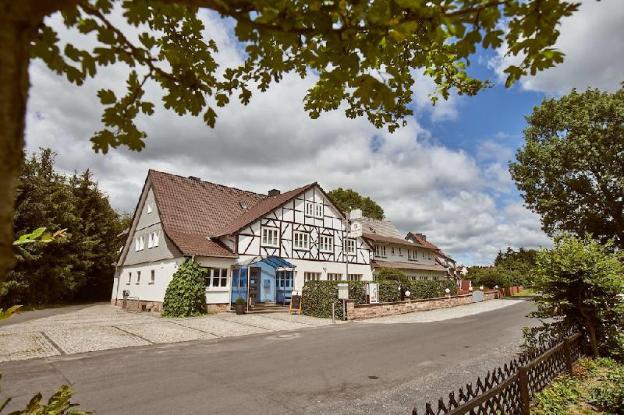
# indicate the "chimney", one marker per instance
pixel 274 192
pixel 355 214
pixel 422 235
pixel 197 179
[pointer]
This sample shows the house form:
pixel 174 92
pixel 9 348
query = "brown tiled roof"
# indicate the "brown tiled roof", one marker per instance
pixel 191 210
pixel 389 239
pixel 407 265
pixel 418 239
pixel 261 208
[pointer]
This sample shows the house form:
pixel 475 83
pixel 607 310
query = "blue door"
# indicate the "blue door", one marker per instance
pixel 284 285
pixel 239 284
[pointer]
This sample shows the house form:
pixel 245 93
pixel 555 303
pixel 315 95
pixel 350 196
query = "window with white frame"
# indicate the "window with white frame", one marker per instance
pixel 156 239
pixel 150 240
pixel 270 237
pixel 129 278
pixel 327 243
pixel 331 276
pixel 314 209
pixel 216 277
pixel 301 240
pixel 380 251
pixel 138 281
pixel 355 277
pixel 350 246
pixel 311 276
pixel 400 252
pixel 152 277
pixel 392 251
pixel 412 255
pixel 284 279
pixel 149 208
pixel 137 244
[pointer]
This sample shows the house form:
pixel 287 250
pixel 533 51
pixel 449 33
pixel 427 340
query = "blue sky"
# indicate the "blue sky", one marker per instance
pixel 444 175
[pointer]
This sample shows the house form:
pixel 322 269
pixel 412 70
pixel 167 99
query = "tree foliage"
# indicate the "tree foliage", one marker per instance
pixel 365 53
pixel 347 200
pixel 186 293
pixel 510 268
pixel 77 265
pixel 581 284
pixel 571 170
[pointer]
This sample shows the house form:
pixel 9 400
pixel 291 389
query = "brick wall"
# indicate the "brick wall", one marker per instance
pixel 365 311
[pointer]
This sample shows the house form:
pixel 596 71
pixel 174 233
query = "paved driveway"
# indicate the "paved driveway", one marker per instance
pixel 102 327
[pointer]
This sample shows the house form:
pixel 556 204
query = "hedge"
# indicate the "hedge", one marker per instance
pixel 318 296
pixel 186 293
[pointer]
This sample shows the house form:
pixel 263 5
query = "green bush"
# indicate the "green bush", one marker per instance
pixel 608 396
pixel 186 293
pixel 391 274
pixel 389 291
pixel 420 289
pixel 318 296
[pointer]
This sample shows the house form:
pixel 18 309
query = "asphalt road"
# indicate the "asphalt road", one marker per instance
pixel 353 368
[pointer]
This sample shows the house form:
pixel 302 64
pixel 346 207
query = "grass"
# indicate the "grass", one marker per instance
pixel 596 386
pixel 526 292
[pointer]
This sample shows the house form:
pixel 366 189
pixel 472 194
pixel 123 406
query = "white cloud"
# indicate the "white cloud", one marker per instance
pixel 423 186
pixel 592 42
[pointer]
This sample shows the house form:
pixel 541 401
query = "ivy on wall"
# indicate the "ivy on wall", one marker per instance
pixel 186 293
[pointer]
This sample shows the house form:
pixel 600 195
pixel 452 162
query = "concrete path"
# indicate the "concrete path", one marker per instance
pixel 104 327
pixel 343 369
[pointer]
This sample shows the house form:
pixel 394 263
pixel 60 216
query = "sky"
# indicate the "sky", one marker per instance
pixel 445 174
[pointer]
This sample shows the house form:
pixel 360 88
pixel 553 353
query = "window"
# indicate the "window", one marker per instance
pixel 284 279
pixel 327 243
pixel 302 240
pixel 152 239
pixel 400 252
pixel 152 276
pixel 216 277
pixel 156 240
pixel 149 208
pixel 139 243
pixel 392 250
pixel 412 255
pixel 129 278
pixel 334 277
pixel 355 277
pixel 138 277
pixel 311 276
pixel 380 251
pixel 350 246
pixel 269 237
pixel 314 209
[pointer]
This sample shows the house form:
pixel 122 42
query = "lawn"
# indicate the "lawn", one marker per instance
pixel 596 386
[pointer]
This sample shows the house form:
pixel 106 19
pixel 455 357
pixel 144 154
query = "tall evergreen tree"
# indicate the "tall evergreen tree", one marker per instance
pixel 77 267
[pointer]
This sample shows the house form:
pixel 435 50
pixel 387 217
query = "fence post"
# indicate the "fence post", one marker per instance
pixel 523 378
pixel 568 354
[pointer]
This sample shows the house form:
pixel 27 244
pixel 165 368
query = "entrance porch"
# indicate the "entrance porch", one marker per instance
pixel 263 282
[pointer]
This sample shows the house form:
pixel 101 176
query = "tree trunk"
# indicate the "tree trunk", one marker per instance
pixel 593 339
pixel 17 27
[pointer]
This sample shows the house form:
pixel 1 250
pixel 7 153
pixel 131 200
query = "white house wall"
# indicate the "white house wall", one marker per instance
pixel 218 295
pixel 143 289
pixel 290 218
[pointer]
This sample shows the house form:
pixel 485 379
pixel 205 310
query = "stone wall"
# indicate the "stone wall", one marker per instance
pixel 365 311
pixel 156 306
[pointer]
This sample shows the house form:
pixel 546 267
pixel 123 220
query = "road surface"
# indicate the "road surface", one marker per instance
pixel 355 368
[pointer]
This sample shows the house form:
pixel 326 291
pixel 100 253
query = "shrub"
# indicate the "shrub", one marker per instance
pixel 391 274
pixel 318 296
pixel 389 291
pixel 186 293
pixel 430 289
pixel 58 404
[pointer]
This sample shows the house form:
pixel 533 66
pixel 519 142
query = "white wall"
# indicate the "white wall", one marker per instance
pixel 218 295
pixel 144 290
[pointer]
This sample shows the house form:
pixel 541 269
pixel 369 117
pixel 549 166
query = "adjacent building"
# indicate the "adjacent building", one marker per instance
pixel 412 253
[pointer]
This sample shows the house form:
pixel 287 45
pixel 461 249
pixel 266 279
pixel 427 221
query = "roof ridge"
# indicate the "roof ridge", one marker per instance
pixel 207 182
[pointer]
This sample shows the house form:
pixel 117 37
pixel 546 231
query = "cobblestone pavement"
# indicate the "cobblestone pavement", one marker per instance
pixel 444 313
pixel 102 327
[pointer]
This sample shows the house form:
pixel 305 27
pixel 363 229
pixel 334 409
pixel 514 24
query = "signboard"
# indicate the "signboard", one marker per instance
pixel 372 291
pixel 343 291
pixel 356 230
pixel 295 303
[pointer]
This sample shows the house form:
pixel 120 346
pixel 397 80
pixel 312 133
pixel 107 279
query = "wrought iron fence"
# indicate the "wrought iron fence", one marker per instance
pixel 509 389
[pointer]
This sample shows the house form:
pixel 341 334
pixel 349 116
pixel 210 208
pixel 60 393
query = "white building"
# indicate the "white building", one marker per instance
pixel 256 247
pixel 411 254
